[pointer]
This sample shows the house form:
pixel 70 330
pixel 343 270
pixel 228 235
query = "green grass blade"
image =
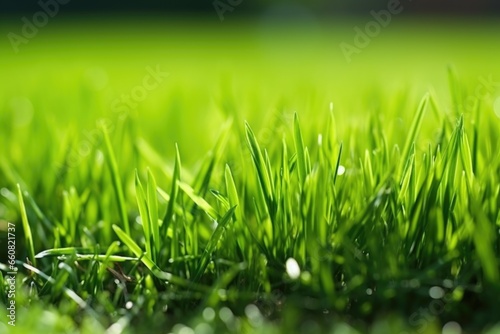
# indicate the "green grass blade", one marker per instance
pixel 177 209
pixel 412 134
pixel 205 173
pixel 115 179
pixel 68 292
pixel 153 212
pixel 146 260
pixel 212 243
pixel 28 237
pixel 155 159
pixel 63 251
pixel 143 210
pixel 465 153
pixel 260 164
pixel 83 254
pixel 169 215
pixel 200 201
pixel 222 200
pixel 299 148
pixel 232 194
pixel 225 279
pixel 484 233
pixel 337 165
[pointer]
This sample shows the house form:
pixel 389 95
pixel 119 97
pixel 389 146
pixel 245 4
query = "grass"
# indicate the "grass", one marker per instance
pixel 307 221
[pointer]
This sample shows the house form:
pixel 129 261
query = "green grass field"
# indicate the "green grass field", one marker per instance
pixel 207 177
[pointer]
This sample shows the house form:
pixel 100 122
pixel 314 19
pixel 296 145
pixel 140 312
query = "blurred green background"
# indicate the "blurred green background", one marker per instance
pixel 65 73
pixel 75 68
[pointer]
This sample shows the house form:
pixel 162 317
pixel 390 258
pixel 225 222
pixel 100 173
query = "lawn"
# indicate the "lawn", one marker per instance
pixel 197 176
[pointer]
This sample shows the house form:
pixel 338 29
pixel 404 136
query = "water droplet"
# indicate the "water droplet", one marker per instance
pixel 253 314
pixel 306 277
pixel 186 330
pixel 7 194
pixel 208 314
pixel 414 283
pixel 448 283
pixel 203 328
pixel 292 268
pixel 222 294
pixel 452 327
pixel 252 311
pixel 226 314
pixel 436 292
pixel 341 170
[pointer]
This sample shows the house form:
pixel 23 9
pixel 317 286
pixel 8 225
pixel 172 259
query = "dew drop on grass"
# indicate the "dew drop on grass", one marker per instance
pixel 138 220
pixel 208 314
pixel 226 314
pixel 129 305
pixel 117 327
pixel 292 268
pixel 306 277
pixel 436 292
pixel 253 314
pixel 99 157
pixel 203 328
pixel 186 330
pixel 341 170
pixel 448 283
pixel 222 294
pixel 48 319
pixel 452 327
pixel 8 194
pixel 182 329
pixel 414 283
